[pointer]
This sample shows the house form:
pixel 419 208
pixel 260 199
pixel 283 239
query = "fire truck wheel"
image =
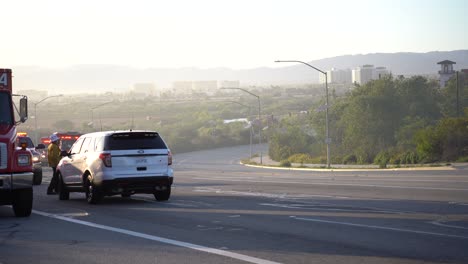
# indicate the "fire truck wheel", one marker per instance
pixel 22 202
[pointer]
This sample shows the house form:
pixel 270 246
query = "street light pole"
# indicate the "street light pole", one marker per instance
pixel 92 112
pixel 327 140
pixel 259 119
pixel 35 115
pixel 251 126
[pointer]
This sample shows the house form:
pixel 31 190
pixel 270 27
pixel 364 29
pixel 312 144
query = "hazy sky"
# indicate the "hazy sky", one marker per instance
pixel 236 34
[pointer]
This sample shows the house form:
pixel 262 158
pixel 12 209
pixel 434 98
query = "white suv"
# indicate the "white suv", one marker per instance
pixel 116 162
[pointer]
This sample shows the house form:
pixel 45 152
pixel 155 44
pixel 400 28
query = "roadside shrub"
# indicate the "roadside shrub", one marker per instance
pixel 382 159
pixel 364 158
pixel 350 159
pixel 285 163
pixel 410 157
pixel 248 162
pixel 395 159
pixel 301 158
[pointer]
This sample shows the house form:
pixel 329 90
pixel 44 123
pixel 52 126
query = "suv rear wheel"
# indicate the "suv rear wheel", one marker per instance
pixel 64 194
pixel 93 195
pixel 163 195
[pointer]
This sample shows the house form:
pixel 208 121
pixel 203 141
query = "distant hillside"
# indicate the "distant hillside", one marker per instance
pixel 400 63
pixel 100 78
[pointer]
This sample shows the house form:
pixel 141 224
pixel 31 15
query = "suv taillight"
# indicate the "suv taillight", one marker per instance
pixel 106 159
pixel 169 158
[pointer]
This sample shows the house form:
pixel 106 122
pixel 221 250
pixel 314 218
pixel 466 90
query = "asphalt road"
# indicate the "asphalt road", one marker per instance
pixel 223 212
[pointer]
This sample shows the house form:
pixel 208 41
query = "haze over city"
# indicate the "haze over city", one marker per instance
pixel 232 34
pixel 234 131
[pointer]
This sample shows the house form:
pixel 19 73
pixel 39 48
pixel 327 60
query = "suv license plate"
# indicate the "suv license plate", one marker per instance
pixel 141 161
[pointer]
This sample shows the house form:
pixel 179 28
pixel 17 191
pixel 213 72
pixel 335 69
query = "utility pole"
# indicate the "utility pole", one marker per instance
pixel 327 139
pixel 458 98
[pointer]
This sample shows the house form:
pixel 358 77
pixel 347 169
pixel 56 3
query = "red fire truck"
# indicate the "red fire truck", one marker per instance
pixel 66 141
pixel 16 171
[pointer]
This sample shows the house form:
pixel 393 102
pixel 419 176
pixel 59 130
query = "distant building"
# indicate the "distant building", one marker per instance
pixel 366 73
pixel 446 72
pixel 141 91
pixel 191 87
pixel 362 75
pixel 380 72
pixel 148 89
pixel 207 87
pixel 229 84
pixel 182 87
pixel 337 76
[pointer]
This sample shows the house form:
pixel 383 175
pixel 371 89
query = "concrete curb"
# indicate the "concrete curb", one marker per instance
pixel 351 169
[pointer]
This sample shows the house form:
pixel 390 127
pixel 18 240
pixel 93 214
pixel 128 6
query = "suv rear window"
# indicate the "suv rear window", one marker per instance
pixel 134 140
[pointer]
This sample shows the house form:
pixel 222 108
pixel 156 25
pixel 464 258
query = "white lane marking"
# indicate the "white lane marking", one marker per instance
pixel 161 239
pixel 75 214
pixel 378 227
pixel 282 206
pixel 444 225
pixel 458 203
pixel 333 184
pixel 322 207
pixel 268 195
pixel 211 228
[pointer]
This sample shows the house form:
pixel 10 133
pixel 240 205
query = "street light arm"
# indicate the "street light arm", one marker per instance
pixel 102 105
pixel 259 117
pixel 249 92
pixel 92 111
pixel 238 104
pixel 303 63
pixel 35 114
pixel 60 95
pixel 235 88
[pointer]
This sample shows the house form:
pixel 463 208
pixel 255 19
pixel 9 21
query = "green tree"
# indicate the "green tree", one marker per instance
pixel 453 97
pixel 381 117
pixel 446 141
pixel 419 98
pixel 371 119
pixel 290 137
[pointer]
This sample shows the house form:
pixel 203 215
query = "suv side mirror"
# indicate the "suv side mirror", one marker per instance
pixel 64 153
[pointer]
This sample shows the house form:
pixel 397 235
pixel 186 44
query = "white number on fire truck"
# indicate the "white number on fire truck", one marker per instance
pixel 3 79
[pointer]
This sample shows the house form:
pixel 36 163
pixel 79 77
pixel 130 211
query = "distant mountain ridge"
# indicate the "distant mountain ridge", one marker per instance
pixel 101 78
pixel 405 63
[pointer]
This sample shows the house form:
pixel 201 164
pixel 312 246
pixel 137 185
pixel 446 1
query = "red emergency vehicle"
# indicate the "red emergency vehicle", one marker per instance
pixel 16 171
pixel 66 141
